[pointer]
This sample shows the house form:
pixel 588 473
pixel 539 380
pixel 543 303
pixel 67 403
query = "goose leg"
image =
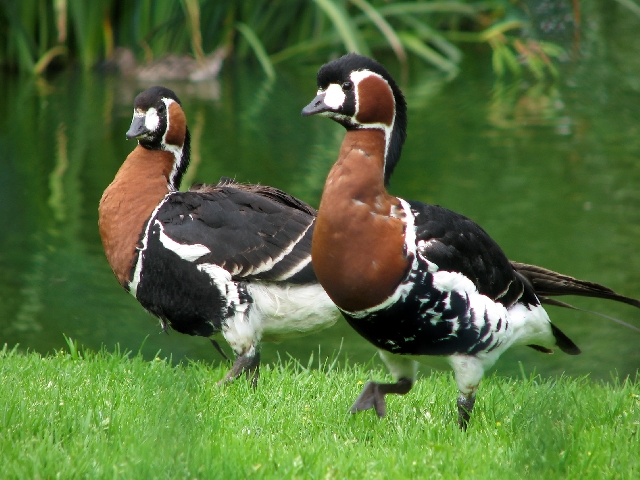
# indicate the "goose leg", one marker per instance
pixel 402 368
pixel 468 372
pixel 465 406
pixel 247 363
pixel 373 393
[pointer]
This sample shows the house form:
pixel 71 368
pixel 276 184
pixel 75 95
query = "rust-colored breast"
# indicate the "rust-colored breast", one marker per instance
pixel 358 248
pixel 127 203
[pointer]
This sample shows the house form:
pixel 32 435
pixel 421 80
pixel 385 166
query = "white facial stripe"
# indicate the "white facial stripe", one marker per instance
pixel 174 149
pixel 152 120
pixel 359 75
pixel 334 96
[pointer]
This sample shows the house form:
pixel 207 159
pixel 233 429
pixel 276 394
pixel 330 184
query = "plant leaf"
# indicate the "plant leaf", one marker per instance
pixel 257 48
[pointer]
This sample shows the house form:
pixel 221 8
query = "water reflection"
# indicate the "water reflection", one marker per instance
pixel 521 104
pixel 551 171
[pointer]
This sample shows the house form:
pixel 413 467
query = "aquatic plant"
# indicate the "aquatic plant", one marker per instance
pixel 39 34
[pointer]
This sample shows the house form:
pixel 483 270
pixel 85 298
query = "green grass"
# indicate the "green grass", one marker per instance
pixel 113 415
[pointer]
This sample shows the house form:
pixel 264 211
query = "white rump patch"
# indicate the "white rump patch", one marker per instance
pixel 190 253
pixel 334 96
pixel 530 325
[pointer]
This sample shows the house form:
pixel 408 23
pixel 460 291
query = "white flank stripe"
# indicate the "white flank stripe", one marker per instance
pixel 222 280
pixel 295 269
pixel 190 253
pixel 269 264
pixel 135 281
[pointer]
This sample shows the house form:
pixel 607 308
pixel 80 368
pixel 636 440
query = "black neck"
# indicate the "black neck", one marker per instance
pixel 398 134
pixel 183 163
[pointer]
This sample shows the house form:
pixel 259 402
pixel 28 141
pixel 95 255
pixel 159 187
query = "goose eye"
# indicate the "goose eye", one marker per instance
pixel 346 86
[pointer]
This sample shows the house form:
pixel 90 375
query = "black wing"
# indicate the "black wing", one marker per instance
pixel 264 190
pixel 457 244
pixel 251 231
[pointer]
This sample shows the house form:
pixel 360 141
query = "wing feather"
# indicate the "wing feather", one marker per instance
pixel 455 243
pixel 250 230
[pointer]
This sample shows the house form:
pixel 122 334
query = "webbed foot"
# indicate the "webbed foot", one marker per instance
pixel 373 393
pixel 247 363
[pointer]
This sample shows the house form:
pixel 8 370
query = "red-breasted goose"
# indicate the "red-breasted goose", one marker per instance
pixel 417 279
pixel 227 258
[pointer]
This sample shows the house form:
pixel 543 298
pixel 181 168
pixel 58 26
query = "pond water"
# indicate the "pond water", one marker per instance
pixel 551 171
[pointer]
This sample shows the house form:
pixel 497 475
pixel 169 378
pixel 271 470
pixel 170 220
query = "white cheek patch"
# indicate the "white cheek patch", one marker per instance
pixel 334 96
pixel 152 120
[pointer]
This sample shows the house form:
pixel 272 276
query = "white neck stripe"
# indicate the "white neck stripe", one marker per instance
pixel 174 149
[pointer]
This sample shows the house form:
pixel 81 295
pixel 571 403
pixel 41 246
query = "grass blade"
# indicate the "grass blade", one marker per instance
pixel 427 53
pixel 435 38
pixel 257 48
pixel 193 16
pixel 345 27
pixel 631 5
pixel 429 7
pixel 46 59
pixel 384 27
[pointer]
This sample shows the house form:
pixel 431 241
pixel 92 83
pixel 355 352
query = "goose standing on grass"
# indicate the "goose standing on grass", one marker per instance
pixel 227 258
pixel 417 279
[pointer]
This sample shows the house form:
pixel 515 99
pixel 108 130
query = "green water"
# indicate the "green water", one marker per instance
pixel 551 171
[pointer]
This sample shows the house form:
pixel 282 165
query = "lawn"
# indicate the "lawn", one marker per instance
pixel 78 414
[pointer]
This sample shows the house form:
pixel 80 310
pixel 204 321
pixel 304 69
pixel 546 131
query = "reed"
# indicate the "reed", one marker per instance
pixel 38 34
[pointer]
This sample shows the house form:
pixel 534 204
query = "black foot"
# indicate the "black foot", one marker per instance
pixel 248 364
pixel 373 393
pixel 465 406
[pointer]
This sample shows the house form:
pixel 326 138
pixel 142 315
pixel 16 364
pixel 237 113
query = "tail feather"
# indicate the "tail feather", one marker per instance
pixel 547 283
pixel 564 343
pixel 558 303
